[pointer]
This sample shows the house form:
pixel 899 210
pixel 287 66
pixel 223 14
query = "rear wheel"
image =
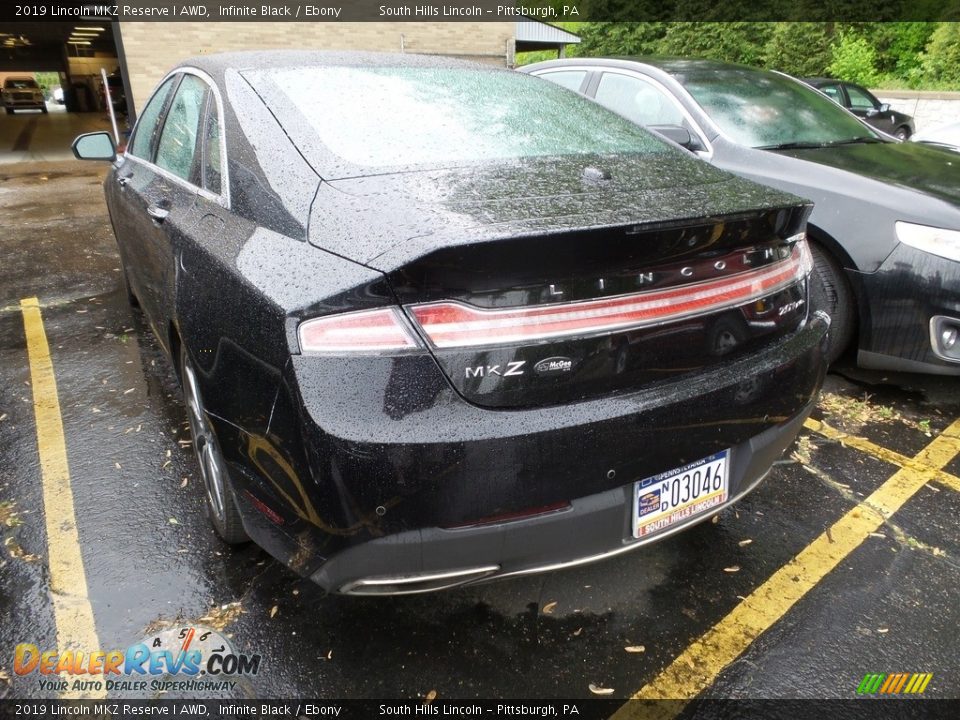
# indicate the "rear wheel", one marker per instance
pixel 44 109
pixel 830 292
pixel 902 133
pixel 221 507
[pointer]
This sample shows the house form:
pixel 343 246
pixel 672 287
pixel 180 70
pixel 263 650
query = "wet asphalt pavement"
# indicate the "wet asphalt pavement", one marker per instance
pixel 153 562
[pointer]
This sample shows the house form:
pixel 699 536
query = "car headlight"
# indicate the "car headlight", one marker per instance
pixel 936 241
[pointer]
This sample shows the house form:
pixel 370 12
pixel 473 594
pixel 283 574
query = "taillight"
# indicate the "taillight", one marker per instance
pixel 366 331
pixel 454 324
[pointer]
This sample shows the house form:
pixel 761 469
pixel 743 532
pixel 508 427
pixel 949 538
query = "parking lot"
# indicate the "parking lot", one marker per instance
pixel 844 562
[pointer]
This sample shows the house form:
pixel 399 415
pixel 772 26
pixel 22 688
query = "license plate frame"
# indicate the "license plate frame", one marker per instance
pixel 658 501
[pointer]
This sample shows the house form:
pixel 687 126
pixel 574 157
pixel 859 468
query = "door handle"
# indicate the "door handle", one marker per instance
pixel 122 181
pixel 157 213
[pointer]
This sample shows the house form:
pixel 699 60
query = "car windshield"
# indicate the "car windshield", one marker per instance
pixel 403 116
pixel 766 110
pixel 20 84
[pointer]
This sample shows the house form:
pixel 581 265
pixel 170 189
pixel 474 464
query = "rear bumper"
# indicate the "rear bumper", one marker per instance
pixel 594 528
pixel 364 480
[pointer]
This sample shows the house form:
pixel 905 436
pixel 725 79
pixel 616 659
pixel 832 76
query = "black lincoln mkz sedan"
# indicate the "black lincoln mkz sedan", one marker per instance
pixel 438 323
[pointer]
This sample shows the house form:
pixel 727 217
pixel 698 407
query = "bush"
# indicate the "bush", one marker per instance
pixel 854 59
pixel 941 61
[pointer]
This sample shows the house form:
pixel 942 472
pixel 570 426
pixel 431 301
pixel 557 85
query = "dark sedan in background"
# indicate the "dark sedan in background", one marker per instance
pixel 885 227
pixel 438 323
pixel 865 105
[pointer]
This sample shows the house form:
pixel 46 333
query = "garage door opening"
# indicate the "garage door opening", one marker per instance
pixel 52 75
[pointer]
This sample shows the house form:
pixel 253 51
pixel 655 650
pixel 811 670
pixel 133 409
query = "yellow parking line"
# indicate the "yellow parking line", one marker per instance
pixel 72 611
pixel 894 458
pixel 698 666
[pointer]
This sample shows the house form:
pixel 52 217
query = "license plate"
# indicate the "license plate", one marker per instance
pixel 678 495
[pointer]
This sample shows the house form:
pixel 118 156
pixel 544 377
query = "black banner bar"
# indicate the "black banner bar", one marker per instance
pixel 481 10
pixel 872 708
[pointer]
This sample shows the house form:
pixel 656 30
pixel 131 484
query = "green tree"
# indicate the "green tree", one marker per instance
pixel 738 42
pixel 941 60
pixel 854 59
pixel 610 38
pixel 799 48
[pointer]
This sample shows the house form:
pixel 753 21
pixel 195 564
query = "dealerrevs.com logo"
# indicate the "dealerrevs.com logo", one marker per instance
pixel 192 658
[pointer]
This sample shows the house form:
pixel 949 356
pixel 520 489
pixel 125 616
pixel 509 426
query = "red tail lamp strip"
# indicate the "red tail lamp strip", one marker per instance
pixel 366 331
pixel 453 324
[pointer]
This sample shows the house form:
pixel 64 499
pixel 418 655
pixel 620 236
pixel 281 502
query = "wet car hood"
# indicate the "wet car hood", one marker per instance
pixel 406 214
pixel 905 165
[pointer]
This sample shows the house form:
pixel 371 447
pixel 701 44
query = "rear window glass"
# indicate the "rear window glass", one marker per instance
pixel 20 84
pixel 383 117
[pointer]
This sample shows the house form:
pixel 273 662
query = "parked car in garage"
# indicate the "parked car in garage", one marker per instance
pixel 22 93
pixel 945 137
pixel 865 105
pixel 885 227
pixel 438 323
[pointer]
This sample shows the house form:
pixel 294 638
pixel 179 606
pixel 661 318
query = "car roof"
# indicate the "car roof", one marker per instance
pixel 668 64
pixel 217 63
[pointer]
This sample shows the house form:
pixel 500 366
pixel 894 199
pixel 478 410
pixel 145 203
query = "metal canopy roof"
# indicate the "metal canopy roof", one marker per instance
pixel 537 35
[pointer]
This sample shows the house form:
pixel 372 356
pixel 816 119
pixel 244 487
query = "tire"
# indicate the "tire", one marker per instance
pixel 9 111
pixel 830 292
pixel 44 110
pixel 902 133
pixel 218 489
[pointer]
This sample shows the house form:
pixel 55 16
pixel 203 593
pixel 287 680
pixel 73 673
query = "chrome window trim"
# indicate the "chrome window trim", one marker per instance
pixel 223 197
pixel 706 154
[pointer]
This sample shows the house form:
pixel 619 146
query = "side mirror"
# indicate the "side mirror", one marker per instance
pixel 675 133
pixel 94 146
pixel 884 107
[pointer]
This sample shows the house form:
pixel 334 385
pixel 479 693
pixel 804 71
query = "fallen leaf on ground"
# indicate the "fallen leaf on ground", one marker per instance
pixel 431 696
pixel 183 483
pixel 173 521
pixel 549 607
pixel 273 611
pixel 576 633
pixel 883 630
pixel 732 569
pixel 221 616
pixel 744 543
pixel 597 690
pixel 635 648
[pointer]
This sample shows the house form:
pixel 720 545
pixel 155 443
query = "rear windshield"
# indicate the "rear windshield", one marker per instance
pixel 20 84
pixel 398 117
